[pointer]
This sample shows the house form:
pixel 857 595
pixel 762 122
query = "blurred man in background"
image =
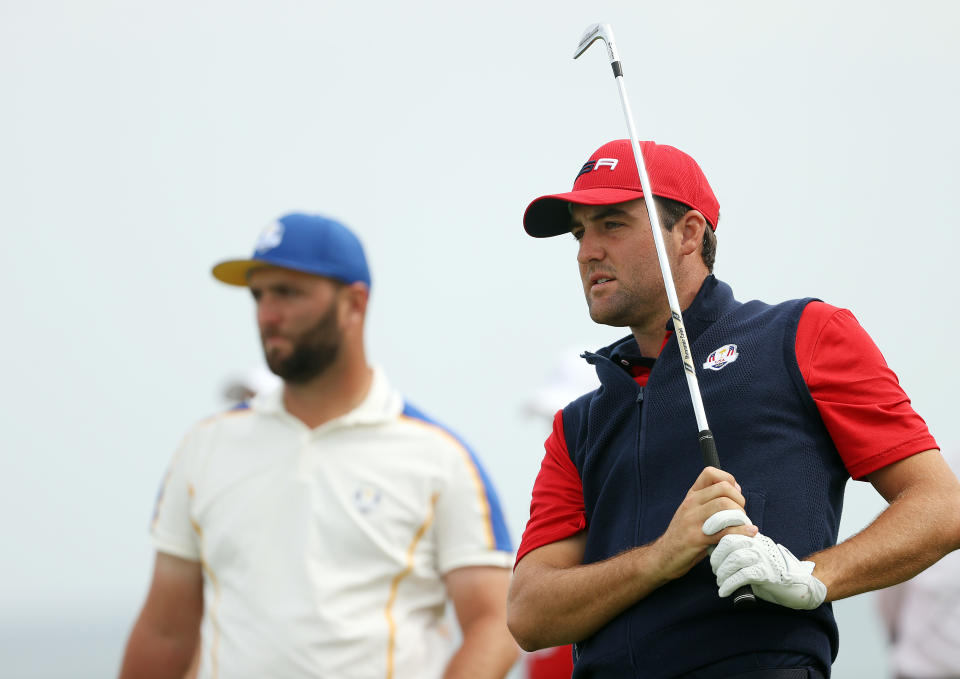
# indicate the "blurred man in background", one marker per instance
pixel 320 530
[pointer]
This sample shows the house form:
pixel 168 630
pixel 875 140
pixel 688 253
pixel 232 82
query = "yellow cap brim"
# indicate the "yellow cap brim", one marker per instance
pixel 236 271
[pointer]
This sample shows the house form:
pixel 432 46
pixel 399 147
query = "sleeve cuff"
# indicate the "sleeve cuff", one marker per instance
pixel 498 559
pixel 174 547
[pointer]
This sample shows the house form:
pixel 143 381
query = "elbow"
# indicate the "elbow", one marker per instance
pixel 943 512
pixel 524 640
pixel 955 524
pixel 521 626
pixel 946 506
pixel 530 647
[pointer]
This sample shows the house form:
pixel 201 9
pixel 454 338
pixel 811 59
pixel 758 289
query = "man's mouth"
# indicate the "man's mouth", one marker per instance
pixel 600 279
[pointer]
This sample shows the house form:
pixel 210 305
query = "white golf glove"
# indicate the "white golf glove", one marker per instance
pixel 725 518
pixel 773 573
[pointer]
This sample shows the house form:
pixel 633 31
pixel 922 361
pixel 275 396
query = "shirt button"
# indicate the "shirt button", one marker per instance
pixel 624 362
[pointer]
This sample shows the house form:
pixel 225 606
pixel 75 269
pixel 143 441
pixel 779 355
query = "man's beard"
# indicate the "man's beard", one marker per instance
pixel 314 352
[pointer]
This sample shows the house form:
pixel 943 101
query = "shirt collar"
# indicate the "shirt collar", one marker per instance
pixel 381 404
pixel 713 300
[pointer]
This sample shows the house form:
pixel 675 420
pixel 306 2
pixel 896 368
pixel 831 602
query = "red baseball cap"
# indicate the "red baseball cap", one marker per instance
pixel 610 176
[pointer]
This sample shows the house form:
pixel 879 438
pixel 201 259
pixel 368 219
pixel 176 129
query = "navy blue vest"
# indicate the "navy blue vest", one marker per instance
pixel 637 453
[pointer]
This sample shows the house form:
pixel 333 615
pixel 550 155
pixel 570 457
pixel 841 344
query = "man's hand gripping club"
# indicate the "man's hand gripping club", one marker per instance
pixel 686 541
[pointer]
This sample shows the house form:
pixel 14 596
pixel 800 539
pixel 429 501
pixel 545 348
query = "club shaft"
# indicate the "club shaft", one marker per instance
pixel 693 385
pixel 743 598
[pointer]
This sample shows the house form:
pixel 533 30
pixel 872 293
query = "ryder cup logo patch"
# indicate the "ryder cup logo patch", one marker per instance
pixel 366 498
pixel 721 357
pixel 270 237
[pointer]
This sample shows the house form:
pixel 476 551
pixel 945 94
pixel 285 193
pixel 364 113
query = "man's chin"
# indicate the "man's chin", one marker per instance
pixel 281 369
pixel 274 360
pixel 276 351
pixel 614 320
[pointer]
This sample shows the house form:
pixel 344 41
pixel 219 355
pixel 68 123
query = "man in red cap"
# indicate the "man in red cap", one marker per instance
pixel 623 517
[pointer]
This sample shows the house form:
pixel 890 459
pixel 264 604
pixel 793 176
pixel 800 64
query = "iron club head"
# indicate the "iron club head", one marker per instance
pixel 594 32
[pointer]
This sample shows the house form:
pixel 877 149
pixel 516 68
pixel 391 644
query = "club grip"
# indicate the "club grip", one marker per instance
pixel 708 449
pixel 743 598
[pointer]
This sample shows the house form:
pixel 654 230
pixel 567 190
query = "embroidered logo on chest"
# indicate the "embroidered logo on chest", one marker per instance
pixel 366 499
pixel 722 357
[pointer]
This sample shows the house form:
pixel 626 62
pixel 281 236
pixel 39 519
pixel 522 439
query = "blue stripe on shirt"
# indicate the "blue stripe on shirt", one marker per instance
pixel 501 535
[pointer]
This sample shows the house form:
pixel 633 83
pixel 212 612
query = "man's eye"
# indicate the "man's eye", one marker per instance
pixel 577 234
pixel 612 225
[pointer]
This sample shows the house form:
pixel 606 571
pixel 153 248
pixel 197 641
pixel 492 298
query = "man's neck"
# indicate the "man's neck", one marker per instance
pixel 649 335
pixel 336 392
pixel 649 338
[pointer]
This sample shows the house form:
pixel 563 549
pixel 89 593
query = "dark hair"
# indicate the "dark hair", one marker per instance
pixel 671 211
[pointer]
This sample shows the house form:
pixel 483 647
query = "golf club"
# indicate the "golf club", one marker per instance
pixel 708 447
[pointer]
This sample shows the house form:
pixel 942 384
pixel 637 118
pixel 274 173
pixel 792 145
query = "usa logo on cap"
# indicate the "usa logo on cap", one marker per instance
pixel 721 357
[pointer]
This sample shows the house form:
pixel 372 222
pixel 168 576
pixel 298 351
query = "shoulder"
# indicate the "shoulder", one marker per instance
pixel 238 422
pixel 817 314
pixel 825 329
pixel 429 429
pixel 570 419
pixel 787 308
pixel 444 446
pixel 233 417
pixel 806 318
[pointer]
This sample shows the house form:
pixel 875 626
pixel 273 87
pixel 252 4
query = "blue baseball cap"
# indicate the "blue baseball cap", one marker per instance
pixel 309 243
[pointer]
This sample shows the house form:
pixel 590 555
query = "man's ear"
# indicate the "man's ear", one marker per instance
pixel 354 299
pixel 690 229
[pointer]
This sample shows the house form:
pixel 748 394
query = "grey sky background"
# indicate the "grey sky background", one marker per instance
pixel 142 142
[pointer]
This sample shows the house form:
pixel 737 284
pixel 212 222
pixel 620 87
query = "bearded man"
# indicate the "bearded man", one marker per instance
pixel 319 530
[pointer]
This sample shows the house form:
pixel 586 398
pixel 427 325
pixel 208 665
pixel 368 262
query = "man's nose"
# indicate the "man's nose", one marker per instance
pixel 590 249
pixel 268 314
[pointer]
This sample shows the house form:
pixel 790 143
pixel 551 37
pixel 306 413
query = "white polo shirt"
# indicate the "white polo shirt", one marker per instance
pixel 323 550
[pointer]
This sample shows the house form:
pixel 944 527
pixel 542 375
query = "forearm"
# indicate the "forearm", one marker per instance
pixel 554 606
pixel 153 656
pixel 487 652
pixel 555 599
pixel 917 529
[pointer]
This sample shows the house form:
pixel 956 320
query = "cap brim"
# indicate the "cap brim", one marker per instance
pixel 550 215
pixel 236 271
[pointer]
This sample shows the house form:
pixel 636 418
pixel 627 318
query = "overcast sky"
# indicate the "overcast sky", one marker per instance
pixel 142 142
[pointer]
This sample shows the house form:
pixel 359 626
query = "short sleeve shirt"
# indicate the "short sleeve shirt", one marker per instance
pixel 324 550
